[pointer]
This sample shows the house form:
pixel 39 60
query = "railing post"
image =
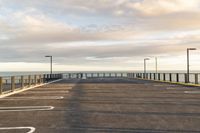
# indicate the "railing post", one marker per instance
pixel 186 78
pixel 29 80
pixel 22 82
pixel 177 77
pixel 13 83
pixel 147 76
pixel 158 76
pixel 196 79
pixel 170 77
pixel 40 79
pixel 164 77
pixel 35 79
pixel 1 85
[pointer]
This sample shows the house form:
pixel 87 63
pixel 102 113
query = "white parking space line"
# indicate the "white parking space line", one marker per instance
pixel 192 92
pixel 31 129
pixel 26 108
pixel 34 98
pixel 45 92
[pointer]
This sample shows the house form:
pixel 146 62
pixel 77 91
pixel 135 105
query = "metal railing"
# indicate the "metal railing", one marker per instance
pixel 94 75
pixel 194 78
pixel 12 83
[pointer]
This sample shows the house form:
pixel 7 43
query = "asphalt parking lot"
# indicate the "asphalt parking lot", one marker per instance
pixel 102 106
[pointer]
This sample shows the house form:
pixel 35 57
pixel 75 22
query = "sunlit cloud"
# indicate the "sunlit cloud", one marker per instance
pixel 112 34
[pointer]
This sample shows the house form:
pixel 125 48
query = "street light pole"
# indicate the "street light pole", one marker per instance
pixel 51 63
pixel 156 60
pixel 145 67
pixel 188 63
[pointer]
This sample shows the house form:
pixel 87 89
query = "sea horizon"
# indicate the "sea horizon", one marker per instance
pixel 18 73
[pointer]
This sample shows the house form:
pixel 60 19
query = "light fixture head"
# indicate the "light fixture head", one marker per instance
pixel 192 48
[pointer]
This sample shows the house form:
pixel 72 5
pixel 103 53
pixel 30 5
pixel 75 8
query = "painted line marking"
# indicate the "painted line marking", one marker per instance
pixel 192 92
pixel 46 92
pixel 31 129
pixel 25 108
pixel 34 98
pixel 165 85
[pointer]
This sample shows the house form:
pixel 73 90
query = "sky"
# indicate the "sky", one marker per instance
pixel 94 35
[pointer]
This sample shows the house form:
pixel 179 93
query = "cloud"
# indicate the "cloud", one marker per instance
pixel 162 7
pixel 96 31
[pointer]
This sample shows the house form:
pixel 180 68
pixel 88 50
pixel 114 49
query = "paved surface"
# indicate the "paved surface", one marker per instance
pixel 102 106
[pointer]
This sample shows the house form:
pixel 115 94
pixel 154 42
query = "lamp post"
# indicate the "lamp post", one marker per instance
pixel 51 63
pixel 156 64
pixel 145 67
pixel 188 63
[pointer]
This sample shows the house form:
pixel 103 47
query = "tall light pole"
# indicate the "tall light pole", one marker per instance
pixel 188 63
pixel 51 63
pixel 145 66
pixel 156 64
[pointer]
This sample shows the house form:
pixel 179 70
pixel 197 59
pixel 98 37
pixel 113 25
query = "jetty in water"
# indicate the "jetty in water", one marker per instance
pixel 100 103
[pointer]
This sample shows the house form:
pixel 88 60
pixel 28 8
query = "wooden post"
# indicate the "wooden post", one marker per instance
pixel 22 82
pixel 13 83
pixel 196 79
pixel 1 85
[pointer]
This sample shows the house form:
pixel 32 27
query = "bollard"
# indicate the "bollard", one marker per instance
pixel 177 77
pixel 1 85
pixel 196 79
pixel 13 83
pixel 154 76
pixel 22 82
